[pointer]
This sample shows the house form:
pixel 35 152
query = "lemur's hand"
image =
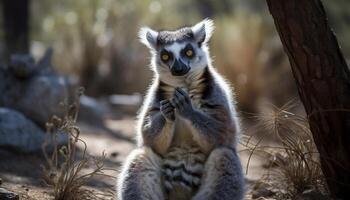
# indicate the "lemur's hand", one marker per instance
pixel 167 110
pixel 182 102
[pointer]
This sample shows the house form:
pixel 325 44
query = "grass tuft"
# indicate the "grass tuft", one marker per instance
pixel 64 169
pixel 294 160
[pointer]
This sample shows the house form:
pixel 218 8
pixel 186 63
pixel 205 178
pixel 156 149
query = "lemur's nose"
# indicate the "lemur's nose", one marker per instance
pixel 179 68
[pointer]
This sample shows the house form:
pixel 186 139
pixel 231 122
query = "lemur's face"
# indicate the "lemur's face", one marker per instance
pixel 179 52
pixel 179 57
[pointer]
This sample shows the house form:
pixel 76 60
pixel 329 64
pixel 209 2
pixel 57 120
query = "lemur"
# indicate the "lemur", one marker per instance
pixel 187 127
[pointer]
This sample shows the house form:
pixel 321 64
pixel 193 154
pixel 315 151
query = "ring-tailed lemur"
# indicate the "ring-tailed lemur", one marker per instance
pixel 188 128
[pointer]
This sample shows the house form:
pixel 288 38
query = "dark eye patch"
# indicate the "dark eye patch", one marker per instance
pixel 166 56
pixel 188 51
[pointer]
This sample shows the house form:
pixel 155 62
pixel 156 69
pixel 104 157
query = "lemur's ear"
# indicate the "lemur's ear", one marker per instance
pixel 148 37
pixel 203 30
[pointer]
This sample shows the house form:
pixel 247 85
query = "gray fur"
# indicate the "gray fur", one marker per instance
pixel 224 169
pixel 167 110
pixel 187 130
pixel 181 35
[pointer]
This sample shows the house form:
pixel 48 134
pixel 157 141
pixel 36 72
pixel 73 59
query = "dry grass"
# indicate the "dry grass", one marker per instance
pixel 64 169
pixel 294 161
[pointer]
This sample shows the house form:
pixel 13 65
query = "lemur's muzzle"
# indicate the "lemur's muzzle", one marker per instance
pixel 179 68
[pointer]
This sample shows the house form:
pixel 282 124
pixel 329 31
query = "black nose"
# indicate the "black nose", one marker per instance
pixel 179 68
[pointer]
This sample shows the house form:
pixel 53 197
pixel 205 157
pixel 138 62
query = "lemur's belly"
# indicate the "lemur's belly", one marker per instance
pixel 183 164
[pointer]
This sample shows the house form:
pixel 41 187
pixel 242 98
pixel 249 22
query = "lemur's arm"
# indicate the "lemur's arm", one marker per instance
pixel 157 125
pixel 214 127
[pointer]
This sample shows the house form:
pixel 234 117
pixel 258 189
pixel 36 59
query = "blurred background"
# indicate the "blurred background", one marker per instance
pixel 95 45
pixel 95 42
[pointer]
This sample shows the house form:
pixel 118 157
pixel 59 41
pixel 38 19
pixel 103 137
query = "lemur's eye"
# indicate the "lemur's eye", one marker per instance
pixel 189 53
pixel 165 57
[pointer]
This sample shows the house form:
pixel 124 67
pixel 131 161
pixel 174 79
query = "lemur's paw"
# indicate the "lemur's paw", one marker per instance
pixel 167 110
pixel 182 102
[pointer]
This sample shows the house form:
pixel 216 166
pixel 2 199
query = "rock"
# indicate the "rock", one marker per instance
pixel 92 111
pixel 20 134
pixel 8 195
pixel 33 89
pixel 40 101
pixel 22 65
pixel 311 194
pixel 114 154
pixel 0 181
pixel 126 103
pixel 44 65
pixel 262 190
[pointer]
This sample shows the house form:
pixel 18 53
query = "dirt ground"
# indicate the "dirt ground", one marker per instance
pixel 22 174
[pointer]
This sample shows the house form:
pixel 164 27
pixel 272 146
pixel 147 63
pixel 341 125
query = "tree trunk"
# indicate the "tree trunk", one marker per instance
pixel 16 26
pixel 323 81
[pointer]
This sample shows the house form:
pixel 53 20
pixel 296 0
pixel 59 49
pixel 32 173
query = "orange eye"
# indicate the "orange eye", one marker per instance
pixel 165 57
pixel 189 53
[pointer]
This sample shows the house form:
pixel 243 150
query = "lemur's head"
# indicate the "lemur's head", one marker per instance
pixel 181 51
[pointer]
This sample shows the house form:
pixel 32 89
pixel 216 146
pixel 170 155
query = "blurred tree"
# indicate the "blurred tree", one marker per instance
pixel 339 19
pixel 16 26
pixel 210 8
pixel 323 80
pixel 205 8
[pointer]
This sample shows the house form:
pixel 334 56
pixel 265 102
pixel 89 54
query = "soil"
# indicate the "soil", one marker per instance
pixel 22 173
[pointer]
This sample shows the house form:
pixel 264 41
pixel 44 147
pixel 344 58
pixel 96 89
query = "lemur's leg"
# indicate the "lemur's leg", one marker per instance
pixel 222 178
pixel 140 178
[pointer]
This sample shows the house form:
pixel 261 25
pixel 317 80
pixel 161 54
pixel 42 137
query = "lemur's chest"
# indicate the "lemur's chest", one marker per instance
pixel 183 131
pixel 184 161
